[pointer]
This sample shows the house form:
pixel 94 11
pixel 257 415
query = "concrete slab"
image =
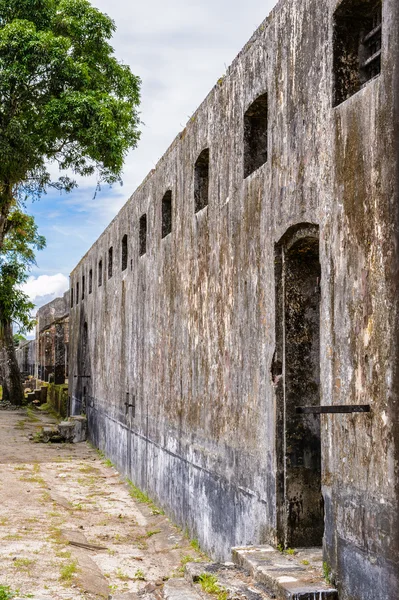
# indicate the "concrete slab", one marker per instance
pixel 287 577
pixel 180 589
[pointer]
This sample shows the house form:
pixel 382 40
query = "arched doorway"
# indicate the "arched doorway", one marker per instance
pixel 296 376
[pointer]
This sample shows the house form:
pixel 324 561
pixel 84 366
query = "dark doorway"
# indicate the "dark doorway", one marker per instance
pixel 296 376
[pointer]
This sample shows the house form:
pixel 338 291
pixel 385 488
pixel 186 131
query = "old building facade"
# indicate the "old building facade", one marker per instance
pixel 255 271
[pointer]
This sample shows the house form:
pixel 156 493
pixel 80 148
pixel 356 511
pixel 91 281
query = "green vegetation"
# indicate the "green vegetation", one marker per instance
pixel 209 584
pixel 139 574
pixel 121 575
pixel 195 545
pixel 305 562
pixel 68 571
pixel 326 572
pixel 23 563
pixel 153 532
pixel 6 593
pixel 143 498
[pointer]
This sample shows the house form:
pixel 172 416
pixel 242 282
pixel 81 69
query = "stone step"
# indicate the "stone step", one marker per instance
pixel 287 577
pixel 235 580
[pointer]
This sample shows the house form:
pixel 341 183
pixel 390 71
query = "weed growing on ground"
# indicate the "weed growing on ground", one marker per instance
pixel 143 498
pixel 195 545
pixel 23 563
pixel 3 521
pixel 326 572
pixel 63 554
pixel 290 551
pixel 305 562
pixel 68 571
pixel 31 415
pixel 121 575
pixel 209 584
pixel 153 532
pixel 6 593
pixel 139 574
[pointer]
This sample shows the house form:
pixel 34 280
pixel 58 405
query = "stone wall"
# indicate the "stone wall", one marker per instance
pixel 281 291
pixel 26 357
pixel 52 336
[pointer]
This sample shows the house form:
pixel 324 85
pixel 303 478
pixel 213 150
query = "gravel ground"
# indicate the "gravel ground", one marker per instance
pixel 57 501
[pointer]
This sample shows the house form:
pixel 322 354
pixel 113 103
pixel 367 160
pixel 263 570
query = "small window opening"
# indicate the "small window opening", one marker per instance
pixel 124 252
pixel 110 258
pixel 100 273
pixel 77 292
pixel 83 287
pixel 167 214
pixel 357 46
pixel 90 281
pixel 255 135
pixel 143 235
pixel 71 295
pixel 201 181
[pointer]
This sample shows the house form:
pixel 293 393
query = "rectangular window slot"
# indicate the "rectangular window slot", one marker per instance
pixel 255 135
pixel 77 292
pixel 83 287
pixel 143 235
pixel 90 281
pixel 124 253
pixel 100 273
pixel 71 295
pixel 201 181
pixel 357 46
pixel 167 214
pixel 110 259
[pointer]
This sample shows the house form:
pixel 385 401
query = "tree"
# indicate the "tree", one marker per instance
pixel 16 259
pixel 64 99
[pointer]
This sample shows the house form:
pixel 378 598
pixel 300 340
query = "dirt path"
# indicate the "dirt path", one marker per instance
pixel 57 500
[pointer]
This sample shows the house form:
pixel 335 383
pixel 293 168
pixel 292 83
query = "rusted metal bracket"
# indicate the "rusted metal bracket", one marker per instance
pixel 333 409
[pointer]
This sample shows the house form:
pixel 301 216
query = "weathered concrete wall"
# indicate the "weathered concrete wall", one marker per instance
pixel 188 333
pixel 52 337
pixel 26 357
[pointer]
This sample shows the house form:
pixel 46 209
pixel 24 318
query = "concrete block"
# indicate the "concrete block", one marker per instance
pixel 80 429
pixel 67 430
pixel 285 576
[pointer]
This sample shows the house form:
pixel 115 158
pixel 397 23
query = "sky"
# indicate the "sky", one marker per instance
pixel 179 49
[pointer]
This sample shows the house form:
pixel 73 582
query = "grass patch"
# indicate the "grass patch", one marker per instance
pixel 121 575
pixel 31 415
pixel 326 573
pixel 153 532
pixel 209 584
pixel 23 563
pixel 6 593
pixel 143 498
pixel 139 574
pixel 68 571
pixel 195 545
pixel 305 562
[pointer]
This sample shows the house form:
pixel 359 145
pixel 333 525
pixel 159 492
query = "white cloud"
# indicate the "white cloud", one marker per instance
pixel 45 288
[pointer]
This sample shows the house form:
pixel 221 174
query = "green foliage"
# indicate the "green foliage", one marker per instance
pixel 6 593
pixel 139 574
pixel 68 571
pixel 209 584
pixel 16 258
pixel 65 97
pixel 143 498
pixel 326 572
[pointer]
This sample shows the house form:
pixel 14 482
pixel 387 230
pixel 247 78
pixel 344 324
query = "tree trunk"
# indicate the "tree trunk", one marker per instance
pixel 12 384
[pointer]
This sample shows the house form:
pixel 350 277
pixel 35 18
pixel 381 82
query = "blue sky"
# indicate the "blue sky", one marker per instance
pixel 179 50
